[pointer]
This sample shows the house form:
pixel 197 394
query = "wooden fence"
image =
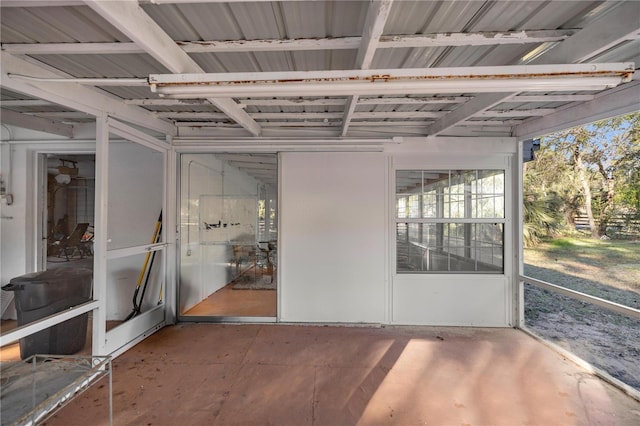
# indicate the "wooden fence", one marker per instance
pixel 620 225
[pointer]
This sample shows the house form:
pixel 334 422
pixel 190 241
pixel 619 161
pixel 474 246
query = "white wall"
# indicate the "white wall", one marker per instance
pixel 204 268
pixel 457 299
pixel 14 222
pixel 332 240
pixel 337 233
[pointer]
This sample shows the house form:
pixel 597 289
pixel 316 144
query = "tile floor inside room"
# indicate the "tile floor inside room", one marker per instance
pixel 218 374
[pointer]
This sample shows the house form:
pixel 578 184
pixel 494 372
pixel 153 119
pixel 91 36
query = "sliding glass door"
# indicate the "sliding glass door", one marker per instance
pixel 228 237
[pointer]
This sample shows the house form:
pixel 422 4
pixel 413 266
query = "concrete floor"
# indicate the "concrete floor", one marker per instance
pixel 216 374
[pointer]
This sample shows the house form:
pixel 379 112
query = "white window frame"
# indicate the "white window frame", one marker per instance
pixel 450 219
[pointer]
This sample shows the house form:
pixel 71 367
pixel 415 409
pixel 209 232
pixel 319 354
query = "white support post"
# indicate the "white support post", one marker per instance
pixel 172 238
pixel 518 261
pixel 349 110
pixel 100 236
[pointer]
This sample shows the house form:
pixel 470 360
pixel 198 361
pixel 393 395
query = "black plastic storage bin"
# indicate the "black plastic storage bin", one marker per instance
pixel 40 294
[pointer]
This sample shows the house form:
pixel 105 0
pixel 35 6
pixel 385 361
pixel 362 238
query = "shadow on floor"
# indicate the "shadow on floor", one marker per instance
pixel 216 374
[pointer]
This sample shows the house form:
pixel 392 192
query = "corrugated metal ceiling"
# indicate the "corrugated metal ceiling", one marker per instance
pixel 290 20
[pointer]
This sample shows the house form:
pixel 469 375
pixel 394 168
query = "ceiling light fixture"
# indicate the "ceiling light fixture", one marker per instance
pixel 530 78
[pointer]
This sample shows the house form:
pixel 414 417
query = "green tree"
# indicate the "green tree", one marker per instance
pixel 627 170
pixel 613 152
pixel 551 197
pixel 595 167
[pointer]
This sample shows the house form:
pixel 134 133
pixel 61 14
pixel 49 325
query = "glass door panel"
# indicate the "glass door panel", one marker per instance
pixel 136 259
pixel 228 236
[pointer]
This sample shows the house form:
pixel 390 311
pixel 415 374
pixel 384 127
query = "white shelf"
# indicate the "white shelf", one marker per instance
pixel 35 388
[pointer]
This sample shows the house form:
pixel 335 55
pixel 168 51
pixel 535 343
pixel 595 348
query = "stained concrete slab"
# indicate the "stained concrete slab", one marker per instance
pixel 270 394
pixel 214 374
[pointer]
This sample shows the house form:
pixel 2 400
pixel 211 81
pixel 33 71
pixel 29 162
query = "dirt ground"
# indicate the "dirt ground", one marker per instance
pixel 605 339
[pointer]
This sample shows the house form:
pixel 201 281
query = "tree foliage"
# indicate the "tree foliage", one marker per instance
pixel 593 169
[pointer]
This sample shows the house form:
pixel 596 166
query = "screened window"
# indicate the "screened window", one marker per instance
pixel 450 221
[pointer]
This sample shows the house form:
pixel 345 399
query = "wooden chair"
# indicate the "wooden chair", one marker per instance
pixel 73 242
pixel 242 254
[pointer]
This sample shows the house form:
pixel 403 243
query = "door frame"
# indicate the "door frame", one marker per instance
pixel 129 333
pixel 178 265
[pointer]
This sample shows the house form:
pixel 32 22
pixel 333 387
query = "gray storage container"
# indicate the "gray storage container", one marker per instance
pixel 40 294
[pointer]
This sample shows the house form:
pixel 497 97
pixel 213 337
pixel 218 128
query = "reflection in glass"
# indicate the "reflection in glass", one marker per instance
pixel 450 247
pixel 41 294
pixel 136 197
pixel 136 188
pixel 431 238
pixel 459 194
pixel 430 204
pixel 408 181
pixel 135 286
pixel 228 235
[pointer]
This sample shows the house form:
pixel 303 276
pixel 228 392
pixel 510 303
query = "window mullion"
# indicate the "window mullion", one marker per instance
pixel 446 221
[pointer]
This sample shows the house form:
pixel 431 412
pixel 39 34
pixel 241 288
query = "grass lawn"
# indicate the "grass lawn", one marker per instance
pixel 614 263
